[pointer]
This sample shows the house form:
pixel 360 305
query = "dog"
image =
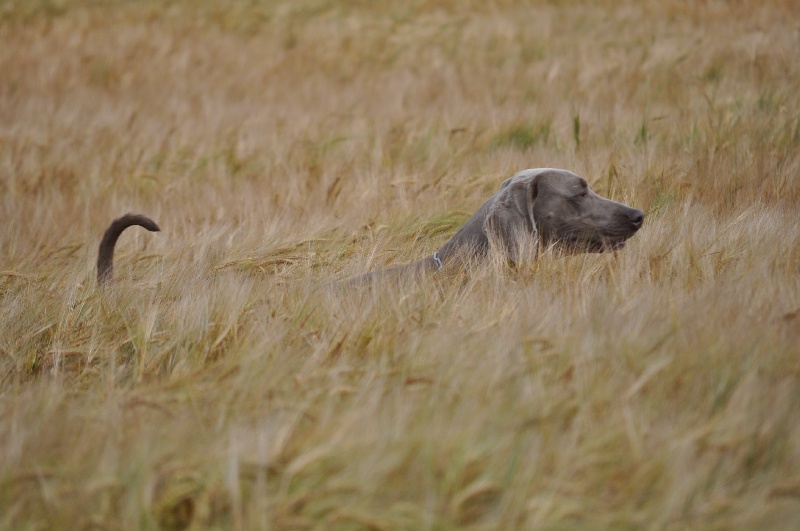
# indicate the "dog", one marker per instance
pixel 534 208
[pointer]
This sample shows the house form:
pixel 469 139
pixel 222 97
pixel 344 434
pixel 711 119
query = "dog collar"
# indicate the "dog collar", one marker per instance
pixel 438 261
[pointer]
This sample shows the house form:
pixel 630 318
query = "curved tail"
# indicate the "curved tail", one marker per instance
pixel 105 256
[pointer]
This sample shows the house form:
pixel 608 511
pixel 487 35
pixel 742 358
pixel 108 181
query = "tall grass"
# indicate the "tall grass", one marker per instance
pixel 226 381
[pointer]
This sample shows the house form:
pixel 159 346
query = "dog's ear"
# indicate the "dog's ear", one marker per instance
pixel 510 225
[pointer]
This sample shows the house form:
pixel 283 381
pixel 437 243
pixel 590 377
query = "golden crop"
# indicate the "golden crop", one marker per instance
pixel 226 381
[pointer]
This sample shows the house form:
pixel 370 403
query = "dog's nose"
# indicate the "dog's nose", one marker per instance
pixel 636 217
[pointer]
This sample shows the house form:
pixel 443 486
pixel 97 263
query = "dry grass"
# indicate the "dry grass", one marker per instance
pixel 221 382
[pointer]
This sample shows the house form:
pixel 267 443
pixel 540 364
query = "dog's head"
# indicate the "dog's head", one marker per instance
pixel 570 213
pixel 556 207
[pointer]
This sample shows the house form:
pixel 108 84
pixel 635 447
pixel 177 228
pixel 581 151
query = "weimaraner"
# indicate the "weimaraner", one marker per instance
pixel 536 207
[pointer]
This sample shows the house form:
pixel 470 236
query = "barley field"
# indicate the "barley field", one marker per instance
pixel 228 380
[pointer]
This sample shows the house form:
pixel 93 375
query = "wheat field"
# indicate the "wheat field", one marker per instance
pixel 228 380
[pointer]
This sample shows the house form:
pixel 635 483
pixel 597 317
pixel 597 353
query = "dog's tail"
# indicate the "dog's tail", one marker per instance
pixel 105 256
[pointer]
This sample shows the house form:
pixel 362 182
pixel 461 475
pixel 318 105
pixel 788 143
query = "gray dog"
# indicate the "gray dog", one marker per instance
pixel 536 207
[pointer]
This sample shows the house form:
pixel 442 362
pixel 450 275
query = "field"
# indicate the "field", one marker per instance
pixel 227 380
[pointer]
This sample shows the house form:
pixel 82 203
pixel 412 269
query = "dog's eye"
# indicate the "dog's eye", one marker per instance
pixel 583 193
